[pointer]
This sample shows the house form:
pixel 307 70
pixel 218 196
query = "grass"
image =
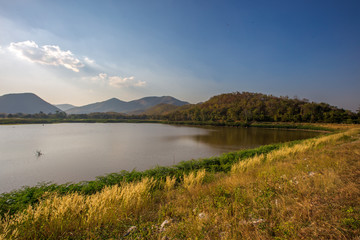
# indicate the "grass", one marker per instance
pixel 74 214
pixel 304 190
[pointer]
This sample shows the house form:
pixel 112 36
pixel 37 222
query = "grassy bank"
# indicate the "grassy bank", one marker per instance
pixel 308 189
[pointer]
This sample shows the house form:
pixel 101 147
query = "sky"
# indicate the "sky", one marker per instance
pixel 80 51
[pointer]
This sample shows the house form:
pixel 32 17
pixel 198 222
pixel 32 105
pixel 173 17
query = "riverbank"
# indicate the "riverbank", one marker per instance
pixel 303 189
pixel 327 127
pixel 18 200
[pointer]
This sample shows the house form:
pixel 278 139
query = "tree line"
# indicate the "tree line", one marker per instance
pixel 247 107
pixel 230 107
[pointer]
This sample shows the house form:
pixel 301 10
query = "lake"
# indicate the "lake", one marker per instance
pixel 73 152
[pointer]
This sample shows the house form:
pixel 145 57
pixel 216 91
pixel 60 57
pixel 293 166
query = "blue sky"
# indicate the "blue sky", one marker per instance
pixel 80 52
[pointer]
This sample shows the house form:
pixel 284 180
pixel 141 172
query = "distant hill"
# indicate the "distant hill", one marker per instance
pixel 28 103
pixel 116 105
pixel 111 105
pixel 248 106
pixel 64 107
pixel 159 109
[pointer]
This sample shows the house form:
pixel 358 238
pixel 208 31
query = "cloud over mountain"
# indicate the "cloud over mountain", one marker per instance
pixel 117 81
pixel 53 55
pixel 47 55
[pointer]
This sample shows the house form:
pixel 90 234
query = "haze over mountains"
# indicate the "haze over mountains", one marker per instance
pixel 29 103
pixel 64 107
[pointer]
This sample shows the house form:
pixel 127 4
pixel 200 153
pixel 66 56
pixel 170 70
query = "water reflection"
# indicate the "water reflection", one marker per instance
pixel 241 138
pixel 75 152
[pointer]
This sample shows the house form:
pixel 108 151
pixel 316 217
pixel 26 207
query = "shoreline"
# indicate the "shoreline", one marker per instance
pixel 282 125
pixel 215 164
pixel 261 189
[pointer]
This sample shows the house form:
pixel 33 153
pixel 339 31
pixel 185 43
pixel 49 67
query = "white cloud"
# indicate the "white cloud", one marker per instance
pixel 53 55
pixel 140 84
pixel 89 61
pixel 47 55
pixel 103 76
pixel 117 81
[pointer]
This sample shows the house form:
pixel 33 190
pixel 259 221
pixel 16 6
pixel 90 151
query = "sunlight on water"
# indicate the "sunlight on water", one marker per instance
pixel 72 152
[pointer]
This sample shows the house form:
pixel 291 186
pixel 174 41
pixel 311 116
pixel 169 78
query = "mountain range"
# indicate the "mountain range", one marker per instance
pixel 116 105
pixel 30 103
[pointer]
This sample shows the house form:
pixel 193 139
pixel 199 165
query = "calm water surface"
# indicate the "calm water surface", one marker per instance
pixel 75 152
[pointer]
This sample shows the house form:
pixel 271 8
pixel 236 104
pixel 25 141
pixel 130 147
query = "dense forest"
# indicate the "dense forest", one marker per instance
pixel 248 106
pixel 230 107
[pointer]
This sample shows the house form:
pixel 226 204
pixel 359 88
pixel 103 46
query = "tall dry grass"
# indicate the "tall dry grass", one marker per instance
pixel 193 179
pixel 74 215
pixel 288 151
pixel 307 191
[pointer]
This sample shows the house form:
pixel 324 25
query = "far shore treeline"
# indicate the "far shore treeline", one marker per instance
pixel 227 108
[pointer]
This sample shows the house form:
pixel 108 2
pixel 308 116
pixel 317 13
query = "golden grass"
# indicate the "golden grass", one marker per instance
pixel 287 151
pixel 169 183
pixel 308 191
pixel 193 179
pixel 66 216
pixel 291 193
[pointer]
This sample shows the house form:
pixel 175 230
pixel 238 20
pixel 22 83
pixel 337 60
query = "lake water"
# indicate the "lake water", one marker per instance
pixel 75 152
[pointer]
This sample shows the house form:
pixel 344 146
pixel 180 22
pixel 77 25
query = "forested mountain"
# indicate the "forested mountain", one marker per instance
pixel 27 103
pixel 116 105
pixel 160 109
pixel 248 106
